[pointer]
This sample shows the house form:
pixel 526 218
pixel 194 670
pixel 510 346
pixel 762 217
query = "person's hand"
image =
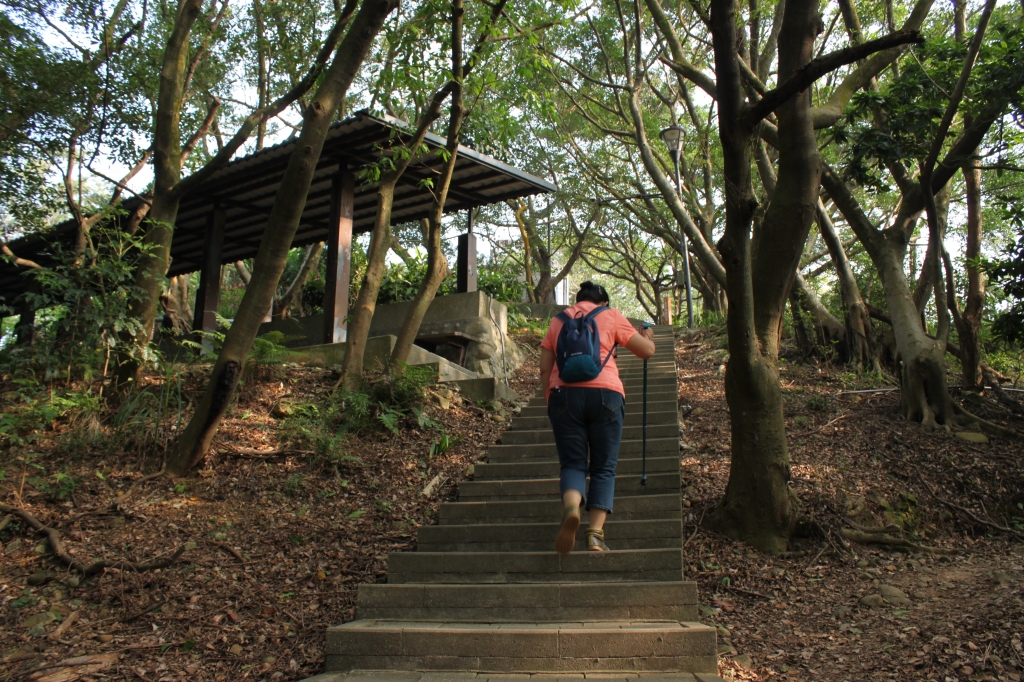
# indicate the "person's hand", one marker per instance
pixel 647 333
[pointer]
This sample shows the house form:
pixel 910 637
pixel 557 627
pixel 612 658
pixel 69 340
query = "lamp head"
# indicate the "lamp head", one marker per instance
pixel 673 139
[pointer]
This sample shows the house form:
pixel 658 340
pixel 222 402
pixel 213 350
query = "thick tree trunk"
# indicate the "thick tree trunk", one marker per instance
pixel 277 238
pixel 860 350
pixel 527 251
pixel 759 507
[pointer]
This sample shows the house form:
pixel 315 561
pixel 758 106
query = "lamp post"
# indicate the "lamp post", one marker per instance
pixel 673 139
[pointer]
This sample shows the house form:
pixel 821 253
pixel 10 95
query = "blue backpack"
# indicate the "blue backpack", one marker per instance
pixel 578 352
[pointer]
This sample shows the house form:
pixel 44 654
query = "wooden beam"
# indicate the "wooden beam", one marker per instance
pixel 339 256
pixel 208 294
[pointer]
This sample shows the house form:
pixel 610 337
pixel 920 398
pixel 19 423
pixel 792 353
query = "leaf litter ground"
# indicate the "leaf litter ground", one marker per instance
pixel 281 545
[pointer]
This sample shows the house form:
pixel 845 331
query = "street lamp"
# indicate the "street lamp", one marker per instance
pixel 673 139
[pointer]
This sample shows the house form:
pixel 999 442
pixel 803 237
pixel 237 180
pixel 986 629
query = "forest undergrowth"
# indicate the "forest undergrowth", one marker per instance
pixel 277 538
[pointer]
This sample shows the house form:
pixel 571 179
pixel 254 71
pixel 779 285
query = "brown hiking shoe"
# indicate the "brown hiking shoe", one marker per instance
pixel 595 540
pixel 566 539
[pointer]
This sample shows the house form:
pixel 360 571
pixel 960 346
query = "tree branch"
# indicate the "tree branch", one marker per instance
pixel 816 68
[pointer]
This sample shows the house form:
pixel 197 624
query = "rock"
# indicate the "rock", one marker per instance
pixel 697 412
pixel 283 408
pixel 106 638
pixel 498 418
pixel 270 660
pixel 972 436
pixel 696 500
pixel 842 613
pixel 41 548
pixel 219 536
pixel 73 581
pixel 890 592
pixel 744 661
pixel 443 401
pixel 723 631
pixel 1002 578
pixel 470 471
pixel 39 619
pixel 686 504
pixel 863 563
pixel 13 545
pixel 235 649
pixel 899 601
pixel 725 649
pixel 919 595
pixel 873 601
pixel 36 631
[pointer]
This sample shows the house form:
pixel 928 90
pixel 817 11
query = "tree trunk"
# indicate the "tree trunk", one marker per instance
pixel 860 351
pixel 759 507
pixel 829 333
pixel 381 239
pixel 968 322
pixel 366 302
pixel 527 251
pixel 243 272
pixel 277 237
pixel 437 270
pixel 437 265
pixel 310 260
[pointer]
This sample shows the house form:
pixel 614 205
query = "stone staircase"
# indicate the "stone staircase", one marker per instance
pixel 485 596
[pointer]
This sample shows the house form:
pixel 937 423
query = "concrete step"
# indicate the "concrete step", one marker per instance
pixel 487 471
pixel 526 452
pixel 636 508
pixel 633 418
pixel 634 405
pixel 628 432
pixel 464 676
pixel 524 647
pixel 635 565
pixel 633 396
pixel 547 488
pixel 540 537
pixel 543 603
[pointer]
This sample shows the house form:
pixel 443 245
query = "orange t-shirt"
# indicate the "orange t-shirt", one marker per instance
pixel 612 327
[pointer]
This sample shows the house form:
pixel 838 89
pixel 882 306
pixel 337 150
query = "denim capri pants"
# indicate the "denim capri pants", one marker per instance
pixel 587 423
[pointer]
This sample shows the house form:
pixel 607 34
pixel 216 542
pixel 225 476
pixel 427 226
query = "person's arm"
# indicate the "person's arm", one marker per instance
pixel 640 344
pixel 547 362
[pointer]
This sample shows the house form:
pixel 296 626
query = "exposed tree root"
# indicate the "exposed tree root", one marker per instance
pixel 228 549
pixel 253 453
pixel 863 538
pixel 53 537
pixel 1001 395
pixel 974 517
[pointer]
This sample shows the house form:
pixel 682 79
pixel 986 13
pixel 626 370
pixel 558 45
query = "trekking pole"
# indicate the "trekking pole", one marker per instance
pixel 643 474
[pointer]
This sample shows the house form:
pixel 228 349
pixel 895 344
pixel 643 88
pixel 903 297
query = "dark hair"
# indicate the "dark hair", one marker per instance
pixel 595 293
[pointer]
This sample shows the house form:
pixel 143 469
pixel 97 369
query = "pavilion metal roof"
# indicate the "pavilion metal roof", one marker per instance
pixel 246 187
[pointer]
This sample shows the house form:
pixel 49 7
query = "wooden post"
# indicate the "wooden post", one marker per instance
pixel 208 293
pixel 339 257
pixel 465 266
pixel 666 315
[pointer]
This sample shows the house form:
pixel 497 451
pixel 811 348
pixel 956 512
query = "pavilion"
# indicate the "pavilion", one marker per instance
pixel 223 220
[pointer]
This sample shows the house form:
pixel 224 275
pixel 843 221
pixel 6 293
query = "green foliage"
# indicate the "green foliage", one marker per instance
pixel 83 303
pixel 443 445
pixel 1008 273
pixel 401 281
pixel 381 403
pixel 501 280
